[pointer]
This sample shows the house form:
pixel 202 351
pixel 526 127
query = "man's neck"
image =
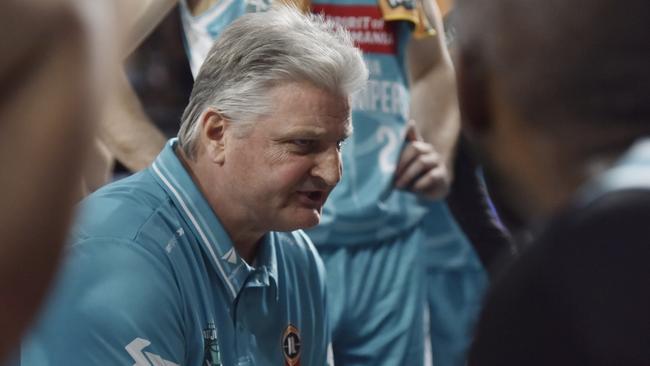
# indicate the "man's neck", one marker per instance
pixel 246 238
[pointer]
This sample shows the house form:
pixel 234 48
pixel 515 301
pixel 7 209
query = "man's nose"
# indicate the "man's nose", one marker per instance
pixel 328 167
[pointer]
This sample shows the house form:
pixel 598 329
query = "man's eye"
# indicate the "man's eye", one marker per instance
pixel 340 144
pixel 303 143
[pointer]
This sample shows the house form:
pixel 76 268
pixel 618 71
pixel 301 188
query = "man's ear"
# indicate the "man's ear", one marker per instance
pixel 213 135
pixel 472 94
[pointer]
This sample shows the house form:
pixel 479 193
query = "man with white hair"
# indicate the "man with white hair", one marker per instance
pixel 385 220
pixel 193 261
pixel 384 213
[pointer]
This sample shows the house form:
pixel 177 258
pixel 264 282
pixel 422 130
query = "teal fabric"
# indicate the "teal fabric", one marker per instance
pixel 454 300
pixel 455 282
pixel 152 278
pixel 446 246
pixel 365 207
pixel 377 315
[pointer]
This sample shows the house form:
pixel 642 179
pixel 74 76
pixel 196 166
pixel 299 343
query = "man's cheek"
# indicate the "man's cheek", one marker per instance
pixel 291 176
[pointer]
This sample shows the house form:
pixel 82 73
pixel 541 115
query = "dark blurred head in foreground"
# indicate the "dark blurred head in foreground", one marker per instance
pixel 552 91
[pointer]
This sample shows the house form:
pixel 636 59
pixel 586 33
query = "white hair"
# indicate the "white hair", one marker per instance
pixel 260 51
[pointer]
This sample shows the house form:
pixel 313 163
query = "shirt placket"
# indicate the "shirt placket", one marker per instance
pixel 245 305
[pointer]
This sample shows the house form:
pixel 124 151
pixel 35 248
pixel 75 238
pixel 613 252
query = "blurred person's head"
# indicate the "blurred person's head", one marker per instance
pixel 269 110
pixel 552 91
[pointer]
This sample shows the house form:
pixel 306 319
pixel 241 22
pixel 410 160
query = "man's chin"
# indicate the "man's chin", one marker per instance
pixel 308 219
pixel 304 219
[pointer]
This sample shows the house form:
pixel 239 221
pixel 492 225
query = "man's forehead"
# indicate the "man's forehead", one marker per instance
pixel 305 127
pixel 307 96
pixel 316 125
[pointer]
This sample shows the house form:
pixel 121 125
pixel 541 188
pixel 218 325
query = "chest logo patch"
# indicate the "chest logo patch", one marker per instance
pixel 291 346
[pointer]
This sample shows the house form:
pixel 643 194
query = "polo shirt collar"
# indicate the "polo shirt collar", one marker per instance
pixel 266 263
pixel 213 239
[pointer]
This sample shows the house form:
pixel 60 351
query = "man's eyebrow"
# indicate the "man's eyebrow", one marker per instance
pixel 315 132
pixel 306 132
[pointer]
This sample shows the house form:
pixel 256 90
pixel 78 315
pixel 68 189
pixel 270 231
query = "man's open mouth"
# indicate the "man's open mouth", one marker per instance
pixel 313 199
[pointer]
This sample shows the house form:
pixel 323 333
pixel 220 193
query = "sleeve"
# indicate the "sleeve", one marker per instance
pixel 470 205
pixel 116 303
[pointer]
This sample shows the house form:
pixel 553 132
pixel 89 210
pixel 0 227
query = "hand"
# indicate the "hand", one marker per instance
pixel 421 169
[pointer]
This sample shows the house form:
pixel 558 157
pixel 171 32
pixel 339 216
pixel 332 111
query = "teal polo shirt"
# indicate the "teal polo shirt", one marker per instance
pixel 152 278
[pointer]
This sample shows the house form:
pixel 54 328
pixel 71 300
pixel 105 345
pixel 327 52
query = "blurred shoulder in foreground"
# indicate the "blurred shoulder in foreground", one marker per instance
pixel 55 56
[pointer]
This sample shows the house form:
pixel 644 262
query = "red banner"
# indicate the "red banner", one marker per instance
pixel 371 33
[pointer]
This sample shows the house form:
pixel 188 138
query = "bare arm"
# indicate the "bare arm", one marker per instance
pixel 434 105
pixel 140 18
pixel 425 165
pixel 445 6
pixel 49 84
pixel 126 133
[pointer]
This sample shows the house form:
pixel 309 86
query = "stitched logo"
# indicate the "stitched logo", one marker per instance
pixel 211 346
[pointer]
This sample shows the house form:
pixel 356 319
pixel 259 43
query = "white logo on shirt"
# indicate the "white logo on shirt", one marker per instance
pixel 172 242
pixel 230 256
pixel 145 359
pixel 170 245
